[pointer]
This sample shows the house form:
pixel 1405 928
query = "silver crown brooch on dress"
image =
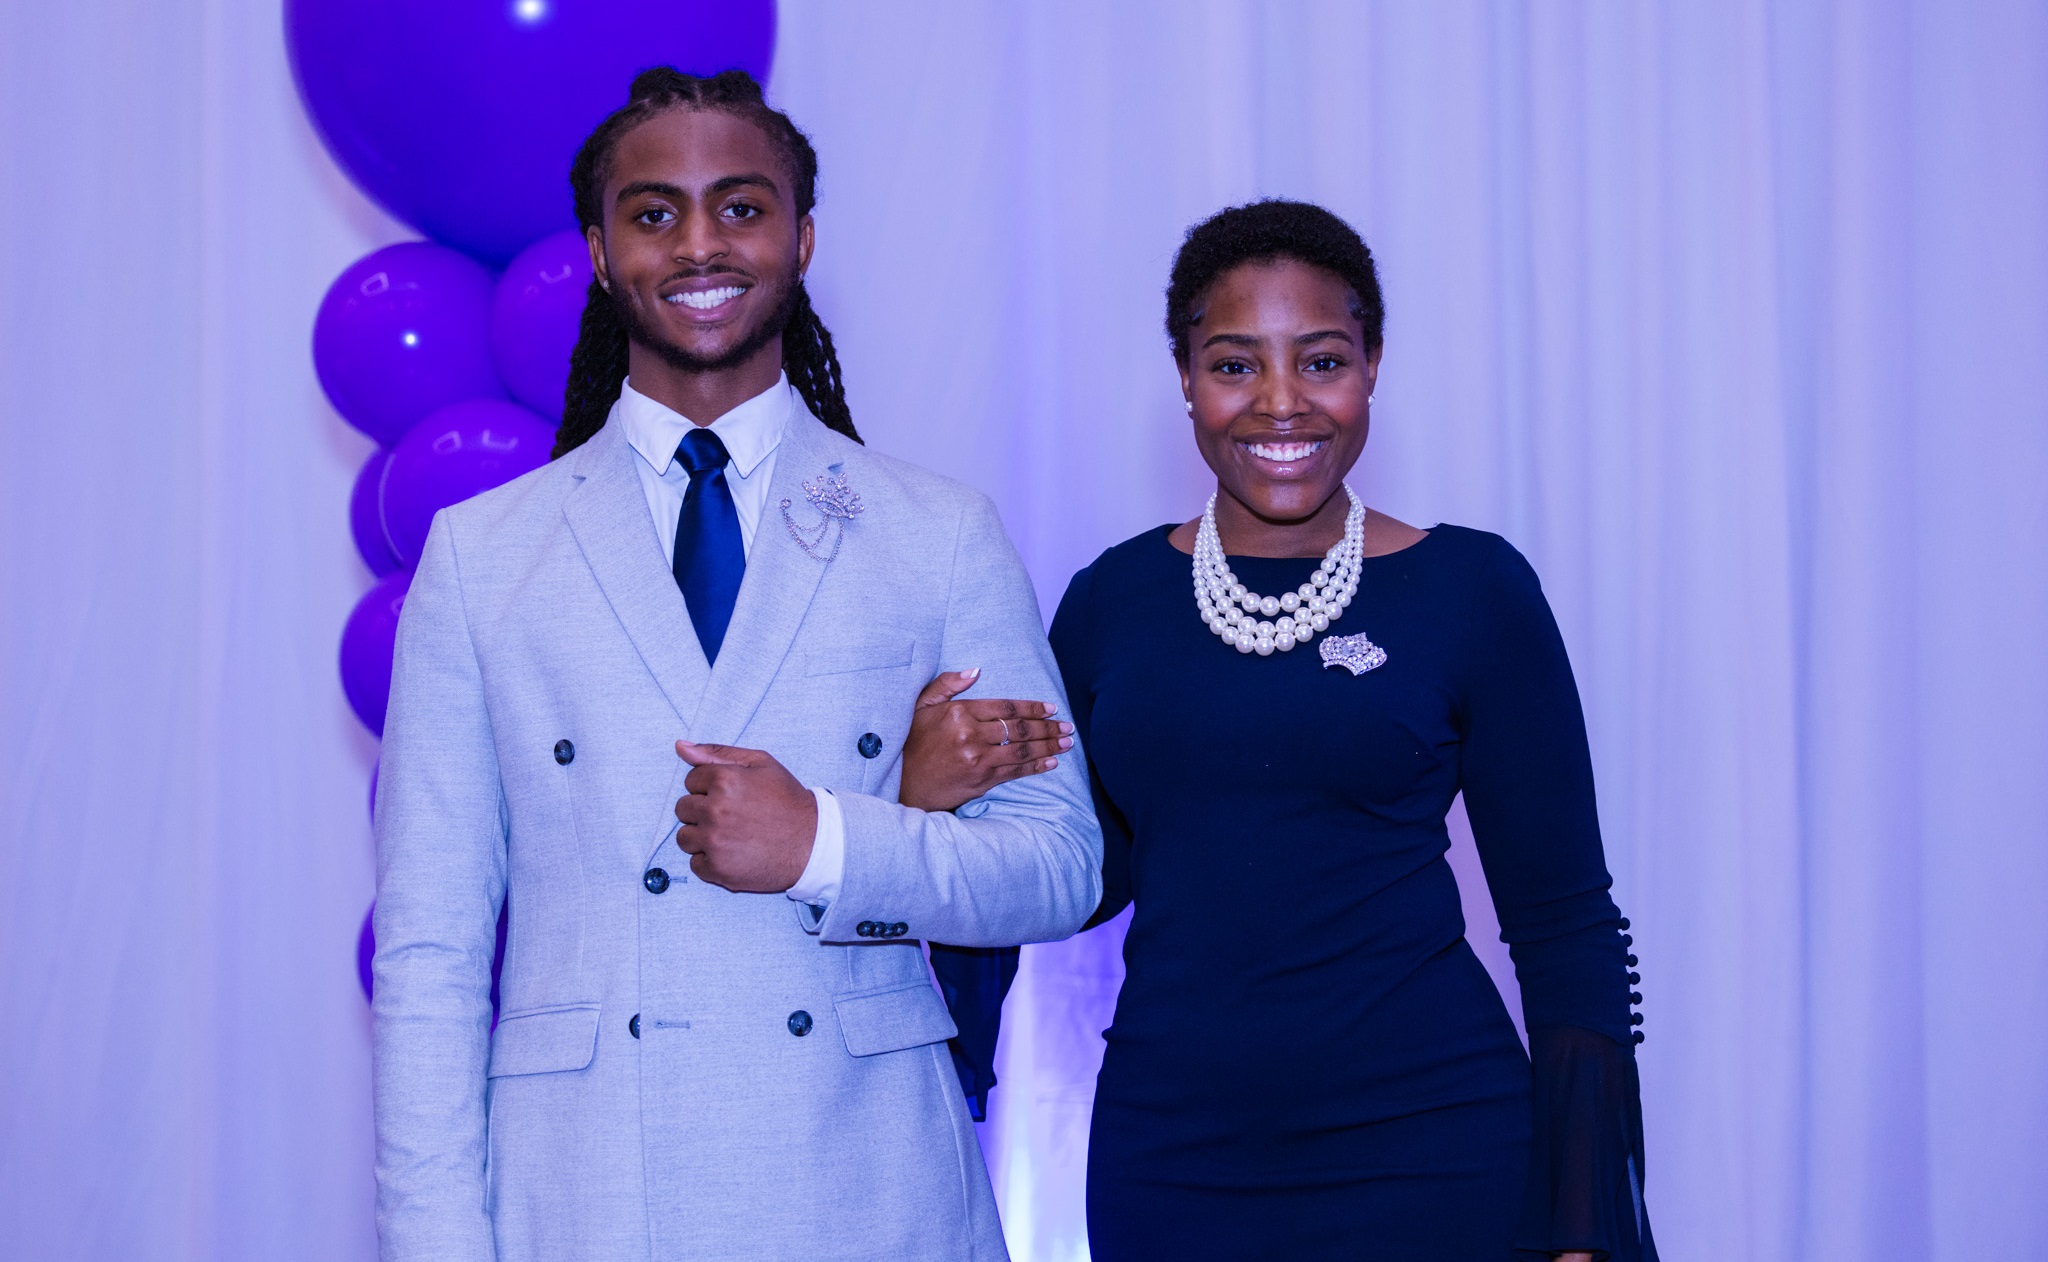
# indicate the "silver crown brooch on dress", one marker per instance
pixel 1354 653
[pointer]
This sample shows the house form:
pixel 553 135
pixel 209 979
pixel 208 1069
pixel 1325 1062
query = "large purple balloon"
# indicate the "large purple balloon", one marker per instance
pixel 535 316
pixel 457 452
pixel 461 117
pixel 402 332
pixel 365 524
pixel 367 641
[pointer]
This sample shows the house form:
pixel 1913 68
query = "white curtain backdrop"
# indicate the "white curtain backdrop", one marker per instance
pixel 1733 316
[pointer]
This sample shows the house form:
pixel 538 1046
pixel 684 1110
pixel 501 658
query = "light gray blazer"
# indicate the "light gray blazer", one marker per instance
pixel 546 666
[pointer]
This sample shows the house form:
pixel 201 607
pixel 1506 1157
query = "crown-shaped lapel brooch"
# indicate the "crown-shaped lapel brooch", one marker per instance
pixel 836 502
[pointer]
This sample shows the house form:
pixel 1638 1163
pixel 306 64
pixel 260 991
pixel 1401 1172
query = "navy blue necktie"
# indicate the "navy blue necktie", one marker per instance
pixel 710 559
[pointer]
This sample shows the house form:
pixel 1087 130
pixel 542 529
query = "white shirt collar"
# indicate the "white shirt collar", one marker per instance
pixel 750 431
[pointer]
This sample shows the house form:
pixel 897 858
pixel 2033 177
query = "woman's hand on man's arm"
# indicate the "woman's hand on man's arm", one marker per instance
pixel 959 750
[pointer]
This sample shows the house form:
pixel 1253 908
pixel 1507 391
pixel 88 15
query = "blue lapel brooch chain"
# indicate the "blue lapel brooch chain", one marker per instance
pixel 835 502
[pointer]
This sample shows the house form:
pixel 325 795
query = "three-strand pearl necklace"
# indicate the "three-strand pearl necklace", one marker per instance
pixel 1260 624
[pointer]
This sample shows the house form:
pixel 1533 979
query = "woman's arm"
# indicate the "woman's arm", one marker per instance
pixel 959 750
pixel 1074 637
pixel 1527 776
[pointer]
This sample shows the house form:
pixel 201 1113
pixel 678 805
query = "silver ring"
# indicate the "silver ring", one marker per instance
pixel 1006 731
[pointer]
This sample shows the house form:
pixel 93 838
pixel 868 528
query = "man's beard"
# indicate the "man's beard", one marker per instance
pixel 681 360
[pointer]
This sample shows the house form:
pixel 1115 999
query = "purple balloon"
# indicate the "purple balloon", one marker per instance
pixel 457 452
pixel 366 952
pixel 462 118
pixel 367 641
pixel 364 522
pixel 535 316
pixel 402 332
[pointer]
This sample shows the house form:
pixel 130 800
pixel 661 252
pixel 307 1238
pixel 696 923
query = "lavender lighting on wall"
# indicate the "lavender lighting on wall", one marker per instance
pixel 461 120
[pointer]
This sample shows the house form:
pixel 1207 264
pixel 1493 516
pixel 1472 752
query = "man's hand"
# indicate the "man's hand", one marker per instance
pixel 747 824
pixel 959 750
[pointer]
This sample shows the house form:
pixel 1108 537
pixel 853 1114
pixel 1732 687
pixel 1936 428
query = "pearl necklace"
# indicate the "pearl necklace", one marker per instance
pixel 1235 614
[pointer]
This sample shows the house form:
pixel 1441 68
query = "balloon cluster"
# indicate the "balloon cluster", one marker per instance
pixel 461 119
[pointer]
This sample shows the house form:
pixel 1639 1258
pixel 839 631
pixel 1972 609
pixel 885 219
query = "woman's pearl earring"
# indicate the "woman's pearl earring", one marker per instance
pixel 1191 406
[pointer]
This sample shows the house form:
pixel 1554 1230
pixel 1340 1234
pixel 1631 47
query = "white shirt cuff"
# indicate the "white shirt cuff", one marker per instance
pixel 819 884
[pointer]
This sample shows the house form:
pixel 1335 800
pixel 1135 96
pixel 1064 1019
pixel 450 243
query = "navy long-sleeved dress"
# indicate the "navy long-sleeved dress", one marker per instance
pixel 1307 1060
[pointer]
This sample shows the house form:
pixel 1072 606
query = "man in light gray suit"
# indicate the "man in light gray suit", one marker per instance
pixel 718 1037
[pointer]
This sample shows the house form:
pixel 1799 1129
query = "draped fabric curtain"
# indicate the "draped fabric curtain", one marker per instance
pixel 1734 317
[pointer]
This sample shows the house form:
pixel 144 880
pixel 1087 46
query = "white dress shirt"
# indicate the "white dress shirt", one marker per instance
pixel 751 433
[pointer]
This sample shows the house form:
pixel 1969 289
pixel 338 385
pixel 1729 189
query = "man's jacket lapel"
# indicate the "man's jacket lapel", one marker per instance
pixel 607 512
pixel 781 579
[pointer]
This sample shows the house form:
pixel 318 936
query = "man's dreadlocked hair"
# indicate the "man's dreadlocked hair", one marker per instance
pixel 597 367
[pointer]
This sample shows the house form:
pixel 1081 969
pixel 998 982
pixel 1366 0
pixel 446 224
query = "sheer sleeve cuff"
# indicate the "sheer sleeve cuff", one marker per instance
pixel 1585 1190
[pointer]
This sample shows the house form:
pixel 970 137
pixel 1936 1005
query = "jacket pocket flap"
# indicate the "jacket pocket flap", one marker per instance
pixel 843 659
pixel 890 1020
pixel 544 1042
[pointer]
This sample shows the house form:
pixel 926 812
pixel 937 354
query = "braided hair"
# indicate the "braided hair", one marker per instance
pixel 597 367
pixel 1263 231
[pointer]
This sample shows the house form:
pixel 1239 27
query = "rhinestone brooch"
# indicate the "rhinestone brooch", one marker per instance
pixel 1354 653
pixel 835 502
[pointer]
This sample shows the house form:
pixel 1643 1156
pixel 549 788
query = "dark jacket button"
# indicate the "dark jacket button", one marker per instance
pixel 898 929
pixel 1635 996
pixel 1627 941
pixel 799 1023
pixel 1635 1018
pixel 870 745
pixel 865 929
pixel 1631 961
pixel 634 1025
pixel 655 880
pixel 565 753
pixel 1633 978
pixel 1624 924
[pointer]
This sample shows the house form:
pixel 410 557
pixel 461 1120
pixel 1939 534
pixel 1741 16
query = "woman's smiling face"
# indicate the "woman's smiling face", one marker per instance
pixel 1279 377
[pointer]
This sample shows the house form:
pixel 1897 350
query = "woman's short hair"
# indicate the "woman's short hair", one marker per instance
pixel 1262 232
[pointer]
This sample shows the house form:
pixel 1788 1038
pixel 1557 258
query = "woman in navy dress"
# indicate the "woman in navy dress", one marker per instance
pixel 1307 1060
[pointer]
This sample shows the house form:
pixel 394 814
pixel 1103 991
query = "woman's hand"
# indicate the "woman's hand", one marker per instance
pixel 959 750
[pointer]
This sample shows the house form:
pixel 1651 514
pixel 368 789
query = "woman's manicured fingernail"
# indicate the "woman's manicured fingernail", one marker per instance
pixel 1050 763
pixel 1066 742
pixel 972 672
pixel 1066 727
pixel 1051 709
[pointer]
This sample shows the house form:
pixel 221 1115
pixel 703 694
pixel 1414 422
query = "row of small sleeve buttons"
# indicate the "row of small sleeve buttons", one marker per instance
pixel 881 929
pixel 1635 997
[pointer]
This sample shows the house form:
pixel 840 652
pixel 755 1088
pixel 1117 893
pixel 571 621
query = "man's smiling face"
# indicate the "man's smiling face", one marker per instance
pixel 701 247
